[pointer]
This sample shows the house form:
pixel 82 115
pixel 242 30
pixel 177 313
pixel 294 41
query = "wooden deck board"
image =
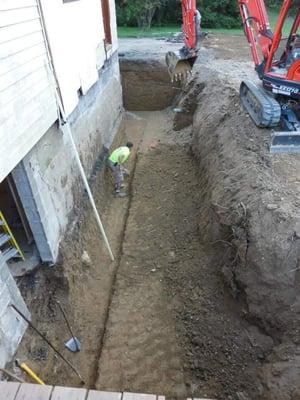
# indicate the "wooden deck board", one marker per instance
pixel 138 396
pixel 65 393
pixel 27 391
pixel 8 390
pixel 30 391
pixel 98 395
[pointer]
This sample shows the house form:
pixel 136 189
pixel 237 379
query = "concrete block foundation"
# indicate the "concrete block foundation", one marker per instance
pixel 12 327
pixel 50 168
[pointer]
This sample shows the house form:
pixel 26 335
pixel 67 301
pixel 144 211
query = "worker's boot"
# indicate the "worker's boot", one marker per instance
pixel 118 193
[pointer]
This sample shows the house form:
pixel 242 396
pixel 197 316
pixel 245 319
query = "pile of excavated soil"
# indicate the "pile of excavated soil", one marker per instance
pixel 253 202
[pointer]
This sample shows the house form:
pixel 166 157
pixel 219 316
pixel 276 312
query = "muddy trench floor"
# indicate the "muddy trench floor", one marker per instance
pixel 159 319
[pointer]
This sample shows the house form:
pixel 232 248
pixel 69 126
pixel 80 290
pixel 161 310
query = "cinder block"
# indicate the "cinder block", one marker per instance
pixel 9 323
pixel 4 271
pixel 5 299
pixel 19 334
pixel 11 284
pixel 4 355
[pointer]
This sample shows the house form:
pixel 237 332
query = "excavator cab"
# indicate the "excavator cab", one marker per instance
pixel 275 103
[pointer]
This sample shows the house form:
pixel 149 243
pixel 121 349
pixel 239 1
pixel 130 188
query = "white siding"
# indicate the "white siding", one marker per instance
pixel 27 101
pixel 76 36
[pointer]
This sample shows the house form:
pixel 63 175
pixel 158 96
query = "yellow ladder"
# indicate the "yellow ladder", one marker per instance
pixel 6 236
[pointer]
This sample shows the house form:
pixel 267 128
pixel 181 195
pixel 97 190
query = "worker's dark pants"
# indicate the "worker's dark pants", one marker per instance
pixel 117 174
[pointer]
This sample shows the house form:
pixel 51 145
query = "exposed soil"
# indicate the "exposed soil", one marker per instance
pixel 169 329
pixel 203 298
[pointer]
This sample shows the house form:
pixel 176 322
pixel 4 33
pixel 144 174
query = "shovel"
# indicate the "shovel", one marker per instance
pixel 72 344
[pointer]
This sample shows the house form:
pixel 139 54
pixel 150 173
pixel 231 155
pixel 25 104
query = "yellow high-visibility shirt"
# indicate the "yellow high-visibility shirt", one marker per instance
pixel 120 155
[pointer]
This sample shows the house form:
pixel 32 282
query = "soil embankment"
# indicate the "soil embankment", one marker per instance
pixel 253 200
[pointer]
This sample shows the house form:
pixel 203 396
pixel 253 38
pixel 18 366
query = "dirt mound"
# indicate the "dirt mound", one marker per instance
pixel 252 199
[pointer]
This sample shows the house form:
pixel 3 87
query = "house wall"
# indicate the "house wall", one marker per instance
pixel 33 147
pixel 75 36
pixel 75 32
pixel 27 101
pixel 50 165
pixel 71 35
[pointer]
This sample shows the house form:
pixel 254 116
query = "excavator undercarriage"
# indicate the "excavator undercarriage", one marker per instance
pixel 275 103
pixel 266 112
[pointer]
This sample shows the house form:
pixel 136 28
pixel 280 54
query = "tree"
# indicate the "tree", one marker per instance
pixel 219 13
pixel 142 11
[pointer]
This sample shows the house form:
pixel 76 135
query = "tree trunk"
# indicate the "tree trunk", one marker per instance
pixel 145 17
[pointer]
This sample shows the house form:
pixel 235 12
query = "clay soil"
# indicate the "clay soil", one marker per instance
pixel 172 315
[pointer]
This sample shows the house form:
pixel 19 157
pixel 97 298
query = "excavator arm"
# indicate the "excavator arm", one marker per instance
pixel 191 24
pixel 256 27
pixel 180 63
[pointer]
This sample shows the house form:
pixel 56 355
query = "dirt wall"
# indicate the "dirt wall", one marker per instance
pixel 146 84
pixel 252 199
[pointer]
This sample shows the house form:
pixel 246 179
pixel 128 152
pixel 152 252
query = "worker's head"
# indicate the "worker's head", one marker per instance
pixel 129 145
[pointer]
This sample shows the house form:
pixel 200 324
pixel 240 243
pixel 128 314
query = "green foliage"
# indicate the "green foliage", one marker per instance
pixel 219 13
pixel 126 14
pixel 137 12
pixel 142 13
pixel 274 3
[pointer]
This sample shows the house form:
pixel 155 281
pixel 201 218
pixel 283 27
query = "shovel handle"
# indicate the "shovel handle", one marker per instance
pixel 47 341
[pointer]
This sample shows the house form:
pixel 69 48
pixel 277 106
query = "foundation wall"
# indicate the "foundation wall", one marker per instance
pixel 50 166
pixel 12 327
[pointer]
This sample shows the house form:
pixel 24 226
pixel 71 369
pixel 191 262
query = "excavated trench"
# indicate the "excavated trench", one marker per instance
pixel 203 297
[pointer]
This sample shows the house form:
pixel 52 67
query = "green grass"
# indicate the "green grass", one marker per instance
pixel 127 32
pixel 157 32
pixel 273 15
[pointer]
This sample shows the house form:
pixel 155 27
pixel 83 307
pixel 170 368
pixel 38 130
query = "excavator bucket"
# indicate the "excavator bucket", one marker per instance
pixel 179 66
pixel 285 142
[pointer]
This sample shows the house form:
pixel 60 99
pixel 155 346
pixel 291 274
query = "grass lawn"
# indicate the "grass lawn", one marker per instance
pixel 156 31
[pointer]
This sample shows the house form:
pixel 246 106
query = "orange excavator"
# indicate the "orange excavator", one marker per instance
pixel 180 64
pixel 276 102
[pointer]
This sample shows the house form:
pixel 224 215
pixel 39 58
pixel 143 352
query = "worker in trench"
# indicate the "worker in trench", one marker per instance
pixel 115 163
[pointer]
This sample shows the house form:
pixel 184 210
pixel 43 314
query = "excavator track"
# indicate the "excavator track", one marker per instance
pixel 264 110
